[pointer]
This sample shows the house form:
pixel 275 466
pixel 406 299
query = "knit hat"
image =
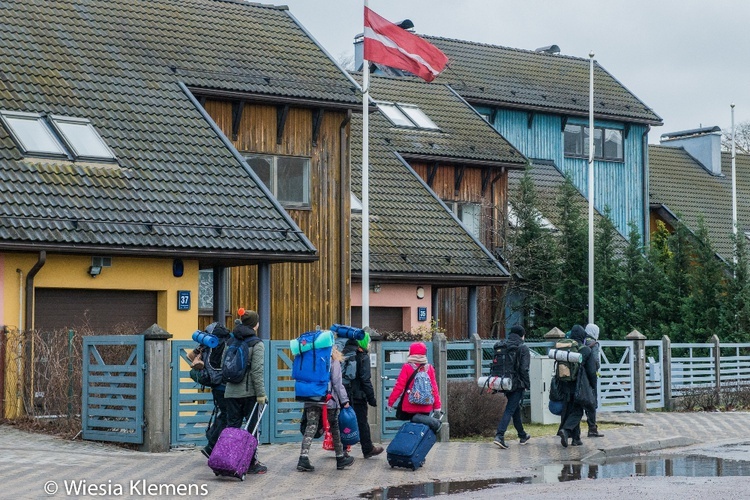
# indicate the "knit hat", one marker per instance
pixel 518 330
pixel 365 342
pixel 592 331
pixel 578 334
pixel 249 318
pixel 418 349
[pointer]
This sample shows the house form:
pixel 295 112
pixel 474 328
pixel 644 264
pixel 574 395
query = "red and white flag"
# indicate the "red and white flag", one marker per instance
pixel 388 44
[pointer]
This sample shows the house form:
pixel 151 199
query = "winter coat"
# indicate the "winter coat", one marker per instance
pixel 588 361
pixel 400 390
pixel 361 388
pixel 338 393
pixel 252 384
pixel 521 378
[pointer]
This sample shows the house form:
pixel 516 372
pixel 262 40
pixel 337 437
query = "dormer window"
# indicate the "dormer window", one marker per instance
pixel 55 136
pixel 407 115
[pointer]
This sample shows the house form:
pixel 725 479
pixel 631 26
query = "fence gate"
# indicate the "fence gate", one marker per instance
pixel 616 376
pixel 191 405
pixel 113 384
pixel 391 356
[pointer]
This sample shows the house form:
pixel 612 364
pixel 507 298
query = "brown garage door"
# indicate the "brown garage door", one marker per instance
pixel 382 319
pixel 104 312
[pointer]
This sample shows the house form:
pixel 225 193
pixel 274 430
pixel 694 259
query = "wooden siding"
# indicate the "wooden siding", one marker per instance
pixel 303 295
pixel 453 302
pixel 619 185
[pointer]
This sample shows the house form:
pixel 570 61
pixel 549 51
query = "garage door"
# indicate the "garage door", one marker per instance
pixel 382 319
pixel 104 312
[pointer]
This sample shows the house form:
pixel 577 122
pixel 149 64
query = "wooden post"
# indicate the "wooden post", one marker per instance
pixel 555 333
pixel 156 403
pixel 717 367
pixel 440 362
pixel 666 369
pixel 477 354
pixel 639 369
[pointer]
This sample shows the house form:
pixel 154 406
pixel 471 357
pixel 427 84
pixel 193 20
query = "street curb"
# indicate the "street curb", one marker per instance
pixel 634 449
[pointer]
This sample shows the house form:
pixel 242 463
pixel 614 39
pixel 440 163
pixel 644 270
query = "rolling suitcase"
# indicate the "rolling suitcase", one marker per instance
pixel 410 446
pixel 235 448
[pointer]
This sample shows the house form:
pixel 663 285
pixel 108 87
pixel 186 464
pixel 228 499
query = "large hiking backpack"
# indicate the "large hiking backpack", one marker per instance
pixel 311 369
pixel 237 359
pixel 348 364
pixel 420 392
pixel 505 364
pixel 210 375
pixel 566 371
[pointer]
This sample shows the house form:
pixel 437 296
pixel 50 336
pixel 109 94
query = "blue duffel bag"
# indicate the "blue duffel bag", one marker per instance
pixel 348 426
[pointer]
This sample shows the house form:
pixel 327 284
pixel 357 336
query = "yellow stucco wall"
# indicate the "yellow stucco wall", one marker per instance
pixel 69 271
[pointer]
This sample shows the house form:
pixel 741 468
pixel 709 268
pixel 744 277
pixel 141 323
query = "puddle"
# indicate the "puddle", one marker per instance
pixel 655 466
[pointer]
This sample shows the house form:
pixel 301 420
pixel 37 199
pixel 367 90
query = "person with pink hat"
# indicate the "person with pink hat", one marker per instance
pixel 407 380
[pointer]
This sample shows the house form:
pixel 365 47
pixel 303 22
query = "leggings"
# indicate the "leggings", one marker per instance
pixel 313 413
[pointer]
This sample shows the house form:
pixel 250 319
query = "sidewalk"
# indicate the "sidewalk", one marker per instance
pixel 28 462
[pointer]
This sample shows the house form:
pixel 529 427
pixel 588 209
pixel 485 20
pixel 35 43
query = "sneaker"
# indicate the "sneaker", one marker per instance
pixel 257 468
pixel 500 441
pixel 576 442
pixel 304 465
pixel 563 437
pixel 376 450
pixel 342 462
pixel 526 438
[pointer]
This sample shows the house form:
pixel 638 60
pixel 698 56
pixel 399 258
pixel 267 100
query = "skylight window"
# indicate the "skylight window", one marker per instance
pixel 81 138
pixel 407 115
pixel 31 133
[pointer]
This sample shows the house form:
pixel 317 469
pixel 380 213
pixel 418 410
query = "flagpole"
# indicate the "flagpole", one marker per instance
pixel 365 192
pixel 734 191
pixel 591 187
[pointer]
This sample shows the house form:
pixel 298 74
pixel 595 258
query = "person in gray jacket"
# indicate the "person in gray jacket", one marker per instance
pixel 241 397
pixel 313 413
pixel 592 340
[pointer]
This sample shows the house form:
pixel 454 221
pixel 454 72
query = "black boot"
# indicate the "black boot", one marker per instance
pixel 563 437
pixel 344 461
pixel 594 432
pixel 304 465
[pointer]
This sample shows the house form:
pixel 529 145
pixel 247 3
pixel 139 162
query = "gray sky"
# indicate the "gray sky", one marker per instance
pixel 686 59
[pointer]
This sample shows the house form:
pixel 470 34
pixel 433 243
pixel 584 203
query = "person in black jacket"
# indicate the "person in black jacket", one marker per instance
pixel 570 420
pixel 520 384
pixel 361 393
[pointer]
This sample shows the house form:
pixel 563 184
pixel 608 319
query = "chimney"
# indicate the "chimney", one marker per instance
pixel 703 144
pixel 549 49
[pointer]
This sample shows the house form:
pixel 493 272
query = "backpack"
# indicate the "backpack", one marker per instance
pixel 421 390
pixel 566 371
pixel 505 364
pixel 311 369
pixel 348 364
pixel 211 373
pixel 237 359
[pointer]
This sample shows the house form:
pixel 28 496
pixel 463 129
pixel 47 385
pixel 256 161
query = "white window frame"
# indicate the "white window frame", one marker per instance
pixel 406 116
pixel 274 181
pixel 582 136
pixel 25 148
pixel 56 121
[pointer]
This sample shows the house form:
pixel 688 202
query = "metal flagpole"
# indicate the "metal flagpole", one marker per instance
pixel 365 193
pixel 591 187
pixel 734 190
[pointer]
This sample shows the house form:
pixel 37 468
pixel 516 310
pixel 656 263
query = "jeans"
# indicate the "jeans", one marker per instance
pixel 512 410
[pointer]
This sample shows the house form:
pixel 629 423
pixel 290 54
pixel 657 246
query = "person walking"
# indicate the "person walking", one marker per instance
pixel 241 397
pixel 570 419
pixel 417 361
pixel 592 341
pixel 314 412
pixel 361 393
pixel 519 357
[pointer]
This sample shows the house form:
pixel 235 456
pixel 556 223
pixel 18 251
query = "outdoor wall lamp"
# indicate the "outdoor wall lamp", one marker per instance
pixel 420 292
pixel 95 271
pixel 376 288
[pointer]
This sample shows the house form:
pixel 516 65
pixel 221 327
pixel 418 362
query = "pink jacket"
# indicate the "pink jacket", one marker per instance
pixel 398 390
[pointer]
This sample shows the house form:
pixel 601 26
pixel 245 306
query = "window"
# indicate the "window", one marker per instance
pixel 31 133
pixel 407 115
pixel 206 290
pixel 56 136
pixel 287 177
pixel 470 214
pixel 356 204
pixel 607 142
pixel 81 138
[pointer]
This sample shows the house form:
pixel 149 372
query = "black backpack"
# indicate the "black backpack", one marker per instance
pixel 505 361
pixel 237 359
pixel 210 375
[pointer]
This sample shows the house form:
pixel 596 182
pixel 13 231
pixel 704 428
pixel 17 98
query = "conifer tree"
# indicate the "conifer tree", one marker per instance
pixel 735 324
pixel 609 307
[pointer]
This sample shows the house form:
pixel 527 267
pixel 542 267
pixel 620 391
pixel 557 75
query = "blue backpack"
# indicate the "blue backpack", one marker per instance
pixel 237 359
pixel 311 369
pixel 421 390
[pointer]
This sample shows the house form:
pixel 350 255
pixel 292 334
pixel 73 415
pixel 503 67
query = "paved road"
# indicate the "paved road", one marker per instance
pixel 31 462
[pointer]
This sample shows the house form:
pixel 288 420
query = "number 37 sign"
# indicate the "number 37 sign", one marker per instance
pixel 183 300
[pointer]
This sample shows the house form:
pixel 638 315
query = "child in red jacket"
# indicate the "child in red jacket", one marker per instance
pixel 417 360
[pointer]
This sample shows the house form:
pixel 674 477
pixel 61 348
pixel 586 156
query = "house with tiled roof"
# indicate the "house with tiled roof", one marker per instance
pixel 438 186
pixel 145 147
pixel 690 178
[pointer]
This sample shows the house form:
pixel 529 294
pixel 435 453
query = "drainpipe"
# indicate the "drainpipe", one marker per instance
pixel 344 228
pixel 646 203
pixel 29 319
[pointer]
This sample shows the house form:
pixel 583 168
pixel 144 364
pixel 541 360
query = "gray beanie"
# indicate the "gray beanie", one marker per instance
pixel 592 331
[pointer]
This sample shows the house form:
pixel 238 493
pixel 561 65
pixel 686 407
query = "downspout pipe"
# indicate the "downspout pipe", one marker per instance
pixel 344 218
pixel 29 314
pixel 646 204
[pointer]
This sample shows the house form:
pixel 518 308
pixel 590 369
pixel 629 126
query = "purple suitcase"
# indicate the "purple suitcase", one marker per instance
pixel 235 448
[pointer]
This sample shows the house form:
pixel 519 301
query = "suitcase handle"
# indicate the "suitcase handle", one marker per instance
pixel 260 417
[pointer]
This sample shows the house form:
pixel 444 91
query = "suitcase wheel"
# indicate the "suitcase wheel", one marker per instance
pixel 242 477
pixel 216 473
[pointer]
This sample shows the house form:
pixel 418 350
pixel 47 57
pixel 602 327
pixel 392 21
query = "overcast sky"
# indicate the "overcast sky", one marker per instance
pixel 686 59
